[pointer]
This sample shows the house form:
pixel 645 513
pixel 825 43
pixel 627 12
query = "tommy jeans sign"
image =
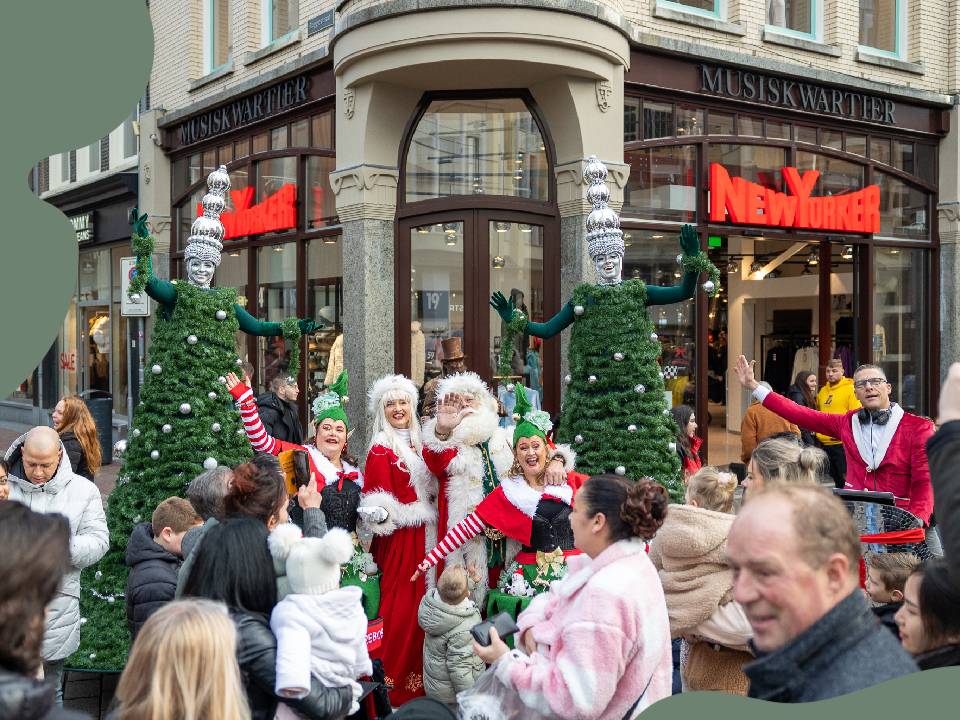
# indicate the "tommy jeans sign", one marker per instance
pixel 743 202
pixel 780 92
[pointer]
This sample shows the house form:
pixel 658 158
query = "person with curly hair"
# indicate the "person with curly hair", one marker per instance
pixel 78 433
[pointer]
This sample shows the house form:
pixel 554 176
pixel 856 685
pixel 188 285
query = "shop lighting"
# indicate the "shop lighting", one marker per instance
pixel 330 240
pixel 894 251
pixel 656 237
pixel 498 262
pixel 733 267
pixel 503 227
pixel 278 248
pixel 773 274
pixel 423 229
pixel 526 228
pixel 449 228
pixel 814 258
pixel 235 253
pixel 451 240
pixel 847 253
pixel 756 266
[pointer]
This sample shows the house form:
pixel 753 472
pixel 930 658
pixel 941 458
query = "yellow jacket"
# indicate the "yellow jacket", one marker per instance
pixel 836 399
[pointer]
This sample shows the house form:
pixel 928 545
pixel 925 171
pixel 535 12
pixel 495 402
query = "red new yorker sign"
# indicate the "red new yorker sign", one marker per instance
pixel 743 202
pixel 277 212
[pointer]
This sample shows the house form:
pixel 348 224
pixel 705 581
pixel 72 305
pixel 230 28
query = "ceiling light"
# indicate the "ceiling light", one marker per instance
pixel 756 266
pixel 278 248
pixel 423 229
pixel 847 253
pixel 525 227
pixel 330 240
pixel 733 266
pixel 498 262
pixel 503 227
pixel 773 274
pixel 450 228
pixel 814 258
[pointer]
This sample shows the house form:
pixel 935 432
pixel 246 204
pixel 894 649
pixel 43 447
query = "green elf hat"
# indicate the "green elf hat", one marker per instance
pixel 329 405
pixel 530 422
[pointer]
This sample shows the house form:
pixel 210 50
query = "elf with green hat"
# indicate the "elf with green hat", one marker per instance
pixel 340 483
pixel 534 517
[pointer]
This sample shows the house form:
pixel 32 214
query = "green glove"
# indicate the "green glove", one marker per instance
pixel 139 223
pixel 503 306
pixel 309 326
pixel 689 240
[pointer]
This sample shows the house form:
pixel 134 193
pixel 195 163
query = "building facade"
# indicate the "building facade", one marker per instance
pixel 394 162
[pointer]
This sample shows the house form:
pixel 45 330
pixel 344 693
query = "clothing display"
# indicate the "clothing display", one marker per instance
pixel 807 359
pixel 418 354
pixel 335 363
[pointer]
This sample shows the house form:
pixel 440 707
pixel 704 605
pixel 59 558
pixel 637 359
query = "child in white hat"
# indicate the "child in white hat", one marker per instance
pixel 320 627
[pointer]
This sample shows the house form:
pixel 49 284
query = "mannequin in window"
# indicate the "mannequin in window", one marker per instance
pixel 418 354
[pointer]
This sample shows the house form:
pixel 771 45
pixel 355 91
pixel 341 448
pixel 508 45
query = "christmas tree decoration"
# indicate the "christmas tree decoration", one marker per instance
pixel 592 379
pixel 216 427
pixel 191 339
pixel 618 356
pixel 154 454
pixel 631 428
pixel 135 432
pixel 167 427
pixel 209 464
pixel 620 470
pixel 709 287
pixel 578 310
pixel 672 446
pixel 156 369
pixel 578 438
pixel 220 315
pixel 185 408
pixel 639 388
pixel 654 337
pixel 119 448
pixel 222 380
pixel 212 395
pixel 567 379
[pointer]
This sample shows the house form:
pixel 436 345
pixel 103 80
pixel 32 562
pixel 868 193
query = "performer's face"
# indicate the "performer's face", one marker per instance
pixel 872 389
pixel 531 455
pixel 331 437
pixel 200 272
pixel 398 413
pixel 609 266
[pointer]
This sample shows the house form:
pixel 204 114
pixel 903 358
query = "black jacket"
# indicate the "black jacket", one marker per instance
pixel 24 698
pixel 76 454
pixel 946 656
pixel 153 577
pixel 943 456
pixel 257 658
pixel 885 614
pixel 280 417
pixel 796 394
pixel 844 651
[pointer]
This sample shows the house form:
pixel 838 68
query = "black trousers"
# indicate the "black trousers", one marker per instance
pixel 838 463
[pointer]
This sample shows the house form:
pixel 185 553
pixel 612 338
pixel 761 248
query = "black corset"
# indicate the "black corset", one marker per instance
pixel 340 506
pixel 551 526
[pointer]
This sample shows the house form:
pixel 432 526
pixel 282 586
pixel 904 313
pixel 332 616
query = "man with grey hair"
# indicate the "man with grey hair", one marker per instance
pixel 795 557
pixel 42 479
pixel 206 493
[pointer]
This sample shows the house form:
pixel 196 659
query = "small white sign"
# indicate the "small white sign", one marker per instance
pixel 128 307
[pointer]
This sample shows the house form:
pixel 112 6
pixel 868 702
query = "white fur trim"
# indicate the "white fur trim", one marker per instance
pixel 568 454
pixel 525 499
pixel 282 540
pixel 399 515
pixel 465 382
pixel 390 382
pixel 327 469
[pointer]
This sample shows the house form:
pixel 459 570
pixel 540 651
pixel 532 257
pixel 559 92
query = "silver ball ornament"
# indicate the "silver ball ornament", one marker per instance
pixel 154 454
pixel 620 470
pixel 220 315
pixel 509 387
pixel 239 362
pixel 592 379
pixel 212 395
pixel 631 428
pixel 672 446
pixel 578 438
pixel 654 337
pixel 709 286
pixel 578 309
pixel 97 575
pixel 191 339
pixel 215 427
pixel 210 463
pixel 567 379
pixel 167 427
pixel 119 448
pixel 185 408
pixel 666 411
pixel 679 259
pixel 83 621
pixel 639 389
pixel 156 369
pixel 111 599
pixel 92 656
pixel 135 432
pixel 240 431
pixel 222 380
pixel 618 356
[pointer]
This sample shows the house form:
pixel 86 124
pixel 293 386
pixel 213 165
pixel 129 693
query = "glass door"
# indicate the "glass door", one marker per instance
pixel 95 348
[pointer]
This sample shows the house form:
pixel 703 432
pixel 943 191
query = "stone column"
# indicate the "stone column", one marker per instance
pixel 366 203
pixel 948 215
pixel 575 263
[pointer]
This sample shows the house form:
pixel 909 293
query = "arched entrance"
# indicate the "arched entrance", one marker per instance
pixel 476 213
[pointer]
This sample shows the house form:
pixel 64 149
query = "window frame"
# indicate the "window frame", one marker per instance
pixel 266 24
pixel 719 11
pixel 209 39
pixel 816 24
pixel 899 35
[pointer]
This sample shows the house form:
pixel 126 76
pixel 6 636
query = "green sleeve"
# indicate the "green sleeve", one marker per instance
pixel 250 325
pixel 163 291
pixel 675 293
pixel 554 325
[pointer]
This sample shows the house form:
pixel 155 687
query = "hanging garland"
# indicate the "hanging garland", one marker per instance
pixel 700 263
pixel 292 335
pixel 516 325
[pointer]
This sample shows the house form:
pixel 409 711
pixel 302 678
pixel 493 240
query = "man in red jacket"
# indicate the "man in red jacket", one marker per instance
pixel 885 446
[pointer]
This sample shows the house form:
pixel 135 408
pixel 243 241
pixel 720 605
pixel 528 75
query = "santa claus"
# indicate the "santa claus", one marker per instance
pixel 468 452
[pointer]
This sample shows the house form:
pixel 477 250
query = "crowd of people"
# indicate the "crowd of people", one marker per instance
pixel 252 598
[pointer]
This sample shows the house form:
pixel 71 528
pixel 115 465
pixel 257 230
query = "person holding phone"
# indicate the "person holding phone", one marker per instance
pixel 597 644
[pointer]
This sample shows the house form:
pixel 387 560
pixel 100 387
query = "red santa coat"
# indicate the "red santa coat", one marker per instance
pixel 407 491
pixel 903 470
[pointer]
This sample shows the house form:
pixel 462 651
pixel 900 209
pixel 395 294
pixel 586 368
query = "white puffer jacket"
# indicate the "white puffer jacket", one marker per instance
pixel 79 500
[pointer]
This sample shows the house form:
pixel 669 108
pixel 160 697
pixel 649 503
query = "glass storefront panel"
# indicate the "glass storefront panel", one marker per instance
pixel 657 120
pixel 94 276
pixel 119 355
pixel 436 292
pixel 836 176
pixel 324 353
pixel 477 147
pixel 516 253
pixel 750 126
pixel 755 163
pixel 322 129
pixel 233 273
pixel 689 121
pixel 67 360
pixel 719 123
pixel 277 187
pixel 321 202
pixel 277 298
pixel 904 209
pixel 95 343
pixel 901 284
pixel 880 150
pixel 662 184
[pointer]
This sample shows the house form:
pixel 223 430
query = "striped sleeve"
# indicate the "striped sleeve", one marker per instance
pixel 257 434
pixel 459 534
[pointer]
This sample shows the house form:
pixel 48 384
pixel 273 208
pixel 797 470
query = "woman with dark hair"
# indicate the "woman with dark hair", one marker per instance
pixel 259 493
pixel 4 482
pixel 688 442
pixel 78 433
pixel 233 565
pixel 804 392
pixel 28 581
pixel 929 619
pixel 597 645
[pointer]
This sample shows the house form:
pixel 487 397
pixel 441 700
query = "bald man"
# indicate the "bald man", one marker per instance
pixel 41 478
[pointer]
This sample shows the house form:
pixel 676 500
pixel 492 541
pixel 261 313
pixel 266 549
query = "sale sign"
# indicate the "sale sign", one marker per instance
pixel 740 201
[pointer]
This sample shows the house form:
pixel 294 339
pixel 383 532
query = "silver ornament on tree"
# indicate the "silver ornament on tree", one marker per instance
pixel 654 337
pixel 639 389
pixel 578 309
pixel 98 574
pixel 592 379
pixel 567 379
pixel 215 427
pixel 239 362
pixel 119 448
pixel 620 470
pixel 672 446
pixel 709 287
pixel 220 315
pixel 679 259
pixel 156 369
pixel 631 428
pixel 135 432
pixel 222 380
pixel 154 454
pixel 191 339
pixel 209 464
pixel 185 408
pixel 212 395
pixel 618 356
pixel 578 438
pixel 167 427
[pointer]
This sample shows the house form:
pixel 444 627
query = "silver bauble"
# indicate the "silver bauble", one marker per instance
pixel 239 362
pixel 598 194
pixel 640 389
pixel 154 454
pixel 509 387
pixel 83 621
pixel 567 379
pixel 167 427
pixel 135 432
pixel 672 446
pixel 666 411
pixel 631 428
pixel 654 337
pixel 156 369
pixel 111 599
pixel 215 427
pixel 679 259
pixel 119 448
pixel 220 315
pixel 191 339
pixel 709 287
pixel 620 470
pixel 92 656
pixel 185 408
pixel 212 395
pixel 97 575
pixel 222 380
pixel 240 431
pixel 209 464
pixel 578 438
pixel 578 309
pixel 618 356
pixel 592 379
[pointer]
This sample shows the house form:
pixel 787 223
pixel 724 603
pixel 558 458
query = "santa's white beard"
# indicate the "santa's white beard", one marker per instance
pixel 477 427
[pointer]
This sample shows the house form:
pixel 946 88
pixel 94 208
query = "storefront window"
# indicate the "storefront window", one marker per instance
pixel 806 134
pixel 477 147
pixel 777 130
pixel 120 341
pixel 755 163
pixel 904 209
pixel 436 288
pixel 662 184
pixel 324 354
pixel 277 298
pixel 857 144
pixel 750 126
pixel 836 176
pixel 321 202
pixel 322 128
pixel 516 252
pixel 900 319
pixel 277 184
pixel 94 276
pixel 67 359
pixel 903 156
pixel 880 150
pixel 926 163
pixel 657 120
pixel 795 15
pixel 300 133
pixel 719 123
pixel 689 121
pixel 879 24
pixel 233 273
pixel 95 344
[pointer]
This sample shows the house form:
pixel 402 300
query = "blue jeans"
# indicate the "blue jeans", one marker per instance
pixel 53 673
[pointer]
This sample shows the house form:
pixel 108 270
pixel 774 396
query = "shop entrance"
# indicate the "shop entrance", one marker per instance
pixel 95 344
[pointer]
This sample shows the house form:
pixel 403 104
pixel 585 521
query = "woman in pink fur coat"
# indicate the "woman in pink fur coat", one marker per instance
pixel 597 645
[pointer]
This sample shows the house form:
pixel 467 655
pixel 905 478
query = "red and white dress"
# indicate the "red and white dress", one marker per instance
pixel 404 487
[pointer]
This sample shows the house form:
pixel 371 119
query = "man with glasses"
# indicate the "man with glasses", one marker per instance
pixel 885 447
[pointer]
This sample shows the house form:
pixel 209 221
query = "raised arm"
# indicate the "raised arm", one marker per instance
pixel 554 325
pixel 690 244
pixel 457 537
pixel 260 328
pixel 257 434
pixel 144 280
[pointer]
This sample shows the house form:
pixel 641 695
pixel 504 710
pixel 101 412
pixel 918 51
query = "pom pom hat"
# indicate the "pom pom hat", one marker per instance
pixel 329 405
pixel 313 565
pixel 530 422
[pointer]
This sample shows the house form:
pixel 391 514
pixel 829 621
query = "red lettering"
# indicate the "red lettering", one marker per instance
pixel 842 210
pixel 756 195
pixel 726 196
pixel 277 212
pixel 871 209
pixel 781 209
pixel 800 186
pixel 829 213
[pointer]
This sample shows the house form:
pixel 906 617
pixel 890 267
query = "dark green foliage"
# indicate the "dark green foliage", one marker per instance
pixel 188 374
pixel 615 320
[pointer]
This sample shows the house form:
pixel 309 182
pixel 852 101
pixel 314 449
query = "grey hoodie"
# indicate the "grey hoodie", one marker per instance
pixel 449 663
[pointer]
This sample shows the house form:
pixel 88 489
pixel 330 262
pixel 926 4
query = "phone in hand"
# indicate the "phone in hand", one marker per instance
pixel 301 468
pixel 504 624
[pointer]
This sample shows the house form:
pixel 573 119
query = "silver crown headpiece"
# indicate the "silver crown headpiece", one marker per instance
pixel 206 233
pixel 603 224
